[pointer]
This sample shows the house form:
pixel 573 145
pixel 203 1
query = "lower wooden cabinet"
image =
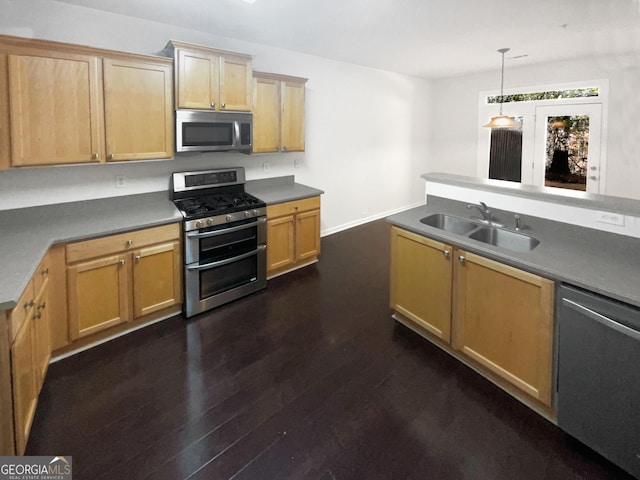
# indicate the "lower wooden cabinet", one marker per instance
pixel 293 235
pixel 30 353
pixel 497 317
pixel 141 275
pixel 98 294
pixel 421 276
pixel 504 322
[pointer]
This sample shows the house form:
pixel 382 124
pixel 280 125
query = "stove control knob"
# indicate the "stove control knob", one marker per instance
pixel 209 221
pixel 255 213
pixel 247 214
pixel 198 224
pixel 228 218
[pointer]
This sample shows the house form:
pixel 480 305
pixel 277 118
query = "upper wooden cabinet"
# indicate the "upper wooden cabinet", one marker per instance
pixel 211 79
pixel 69 104
pixel 138 109
pixel 278 113
pixel 56 108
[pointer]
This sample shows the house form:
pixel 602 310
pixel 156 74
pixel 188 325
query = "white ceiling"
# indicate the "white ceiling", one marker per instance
pixel 424 38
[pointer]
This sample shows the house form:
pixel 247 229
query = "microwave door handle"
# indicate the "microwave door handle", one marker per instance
pixel 236 138
pixel 227 261
pixel 227 230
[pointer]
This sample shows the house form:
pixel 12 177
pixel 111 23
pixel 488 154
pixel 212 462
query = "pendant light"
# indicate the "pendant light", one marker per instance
pixel 502 121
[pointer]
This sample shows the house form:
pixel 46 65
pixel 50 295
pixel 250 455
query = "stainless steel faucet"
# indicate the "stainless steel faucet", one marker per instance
pixel 483 209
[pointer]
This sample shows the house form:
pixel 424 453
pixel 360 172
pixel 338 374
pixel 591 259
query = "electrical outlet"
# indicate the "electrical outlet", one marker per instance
pixel 121 181
pixel 611 218
pixel 296 163
pixel 266 167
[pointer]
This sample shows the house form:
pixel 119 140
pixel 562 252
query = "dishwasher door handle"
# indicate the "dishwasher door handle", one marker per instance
pixel 601 319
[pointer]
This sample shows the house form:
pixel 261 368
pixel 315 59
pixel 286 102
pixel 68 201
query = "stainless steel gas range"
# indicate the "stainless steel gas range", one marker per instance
pixel 225 237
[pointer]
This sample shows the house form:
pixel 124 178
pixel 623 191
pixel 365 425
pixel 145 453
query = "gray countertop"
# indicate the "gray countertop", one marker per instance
pixel 280 189
pixel 602 262
pixel 27 233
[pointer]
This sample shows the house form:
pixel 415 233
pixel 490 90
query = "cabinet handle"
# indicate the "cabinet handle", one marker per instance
pixel 42 306
pixel 461 258
pixel 223 105
pixel 45 271
pixel 446 253
pixel 128 243
pixel 110 156
pixel 38 316
pixel 138 258
pixel 95 156
pixel 213 104
pixel 284 148
pixel 29 304
pixel 121 262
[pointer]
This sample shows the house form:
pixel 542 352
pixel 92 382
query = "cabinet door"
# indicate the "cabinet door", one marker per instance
pixel 157 278
pixel 42 336
pixel 24 383
pixel 197 80
pixel 138 110
pixel 5 138
pixel 421 281
pixel 292 116
pixel 56 109
pixel 236 83
pixel 98 294
pixel 280 242
pixel 266 115
pixel 503 320
pixel 307 235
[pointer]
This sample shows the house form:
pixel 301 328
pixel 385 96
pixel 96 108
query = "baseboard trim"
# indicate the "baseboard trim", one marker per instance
pixel 88 346
pixel 371 218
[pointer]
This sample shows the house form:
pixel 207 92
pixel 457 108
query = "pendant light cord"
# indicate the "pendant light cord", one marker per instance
pixel 502 51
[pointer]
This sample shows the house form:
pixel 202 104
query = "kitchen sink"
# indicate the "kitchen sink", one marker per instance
pixel 506 239
pixel 449 223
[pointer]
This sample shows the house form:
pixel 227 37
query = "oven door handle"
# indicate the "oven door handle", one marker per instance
pixel 220 263
pixel 227 230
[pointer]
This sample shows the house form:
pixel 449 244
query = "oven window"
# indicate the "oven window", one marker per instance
pixel 198 134
pixel 220 279
pixel 228 244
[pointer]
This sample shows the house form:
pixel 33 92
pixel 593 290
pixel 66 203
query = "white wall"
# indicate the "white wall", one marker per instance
pixel 367 130
pixel 455 107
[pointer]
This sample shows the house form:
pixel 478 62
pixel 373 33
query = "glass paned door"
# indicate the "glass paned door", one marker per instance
pixel 567 147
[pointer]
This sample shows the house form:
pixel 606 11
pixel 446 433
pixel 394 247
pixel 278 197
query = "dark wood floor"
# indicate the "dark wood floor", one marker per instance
pixel 308 379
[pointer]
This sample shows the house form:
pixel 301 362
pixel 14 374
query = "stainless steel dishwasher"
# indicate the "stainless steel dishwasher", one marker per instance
pixel 599 375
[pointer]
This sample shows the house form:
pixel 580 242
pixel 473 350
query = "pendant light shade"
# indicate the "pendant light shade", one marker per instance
pixel 502 121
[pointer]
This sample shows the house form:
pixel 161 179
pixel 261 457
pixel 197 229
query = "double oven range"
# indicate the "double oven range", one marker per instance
pixel 224 237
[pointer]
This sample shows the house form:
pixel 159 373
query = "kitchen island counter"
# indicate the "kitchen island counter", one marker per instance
pixel 598 261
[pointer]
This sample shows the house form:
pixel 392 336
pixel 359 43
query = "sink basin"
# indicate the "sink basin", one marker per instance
pixel 449 223
pixel 506 239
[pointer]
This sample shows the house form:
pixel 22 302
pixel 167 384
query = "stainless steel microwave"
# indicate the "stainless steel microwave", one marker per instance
pixel 206 131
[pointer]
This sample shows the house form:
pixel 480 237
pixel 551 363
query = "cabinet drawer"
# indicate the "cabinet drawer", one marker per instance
pixel 20 312
pixel 290 208
pixel 121 242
